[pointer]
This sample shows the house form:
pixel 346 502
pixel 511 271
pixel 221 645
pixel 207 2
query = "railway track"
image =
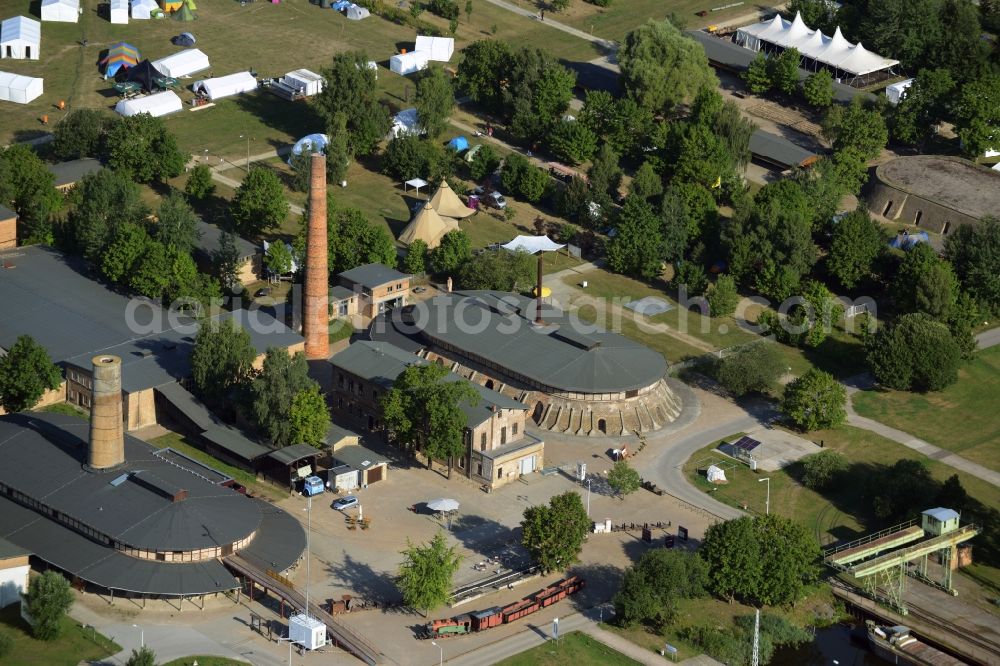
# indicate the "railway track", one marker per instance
pixel 965 634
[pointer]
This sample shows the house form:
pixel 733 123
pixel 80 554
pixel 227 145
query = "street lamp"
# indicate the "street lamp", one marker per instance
pixel 767 502
pixel 289 639
pixel 142 635
pixel 441 661
pixel 247 137
pixel 588 498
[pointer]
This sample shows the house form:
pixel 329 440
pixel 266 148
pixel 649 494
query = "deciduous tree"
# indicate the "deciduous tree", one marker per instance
pixel 222 359
pixel 977 115
pixel 141 146
pixel 177 223
pixel 415 261
pixel 81 134
pixel 784 70
pixel 623 479
pixel 309 418
pixel 499 270
pixel 818 89
pixel 485 64
pixel 278 258
pixel 723 297
pixel 974 251
pixel 351 89
pixel 127 246
pixel 426 573
pixel 484 162
pixel 259 203
pixel 572 142
pixel 28 187
pixel 338 148
pixel 435 101
pixel 924 104
pixel 199 183
pixel 26 372
pixel 857 242
pixel 103 200
pixel 226 260
pixel 815 401
pixel 605 176
pixel 455 249
pixel 48 599
pixel 274 391
pixel 554 534
pixel 753 368
pixel 914 353
pixel 856 126
pixel 651 589
pixel 144 656
pixel 820 470
pixel 646 183
pixel 636 246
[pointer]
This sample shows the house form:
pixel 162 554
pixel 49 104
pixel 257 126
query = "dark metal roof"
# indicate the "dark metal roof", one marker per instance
pixel 340 293
pixel 177 458
pixel 564 355
pixel 381 363
pixel 294 453
pixel 280 539
pixel 373 275
pixel 358 457
pixel 336 433
pixel 779 150
pixel 8 550
pixel 68 173
pixel 511 447
pixel 210 238
pixel 235 442
pixel 43 456
pixel 7 213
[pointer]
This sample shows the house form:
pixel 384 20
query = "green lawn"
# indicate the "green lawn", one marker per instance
pixel 340 329
pixel 205 661
pixel 74 644
pixel 962 418
pixel 572 649
pixel 66 408
pixel 180 443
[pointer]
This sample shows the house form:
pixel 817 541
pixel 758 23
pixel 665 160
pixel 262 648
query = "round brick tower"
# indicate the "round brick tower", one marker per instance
pixel 107 438
pixel 316 323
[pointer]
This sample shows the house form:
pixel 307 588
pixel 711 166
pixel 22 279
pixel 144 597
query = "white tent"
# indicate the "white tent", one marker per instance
pixel 226 86
pixel 314 143
pixel 305 81
pixel 20 38
pixel 159 104
pixel 356 13
pixel 835 51
pixel 141 9
pixel 894 92
pixel 18 88
pixel 439 49
pixel 715 474
pixel 119 11
pixel 183 63
pixel 532 244
pixel 408 63
pixel 63 11
pixel 405 122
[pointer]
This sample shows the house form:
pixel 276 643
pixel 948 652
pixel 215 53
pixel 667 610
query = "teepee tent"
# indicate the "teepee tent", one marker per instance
pixel 120 55
pixel 61 11
pixel 427 226
pixel 447 203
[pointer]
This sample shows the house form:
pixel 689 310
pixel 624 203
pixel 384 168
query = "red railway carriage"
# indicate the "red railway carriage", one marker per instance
pixel 487 619
pixel 519 609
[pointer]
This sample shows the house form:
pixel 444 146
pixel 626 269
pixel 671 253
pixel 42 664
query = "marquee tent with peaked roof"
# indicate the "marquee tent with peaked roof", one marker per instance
pixel 835 52
pixel 447 203
pixel 62 11
pixel 427 226
pixel 20 38
pixel 120 55
pixel 19 89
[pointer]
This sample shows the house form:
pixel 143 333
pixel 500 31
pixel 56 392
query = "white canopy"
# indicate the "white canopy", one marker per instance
pixel 408 63
pixel 181 64
pixel 226 86
pixel 119 11
pixel 715 474
pixel 405 122
pixel 439 49
pixel 833 51
pixel 20 38
pixel 532 244
pixel 63 11
pixel 19 89
pixel 141 9
pixel 894 92
pixel 159 104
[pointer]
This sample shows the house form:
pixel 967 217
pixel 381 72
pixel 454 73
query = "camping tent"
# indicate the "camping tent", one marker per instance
pixel 144 73
pixel 405 122
pixel 63 11
pixel 226 86
pixel 118 12
pixel 159 104
pixel 427 226
pixel 183 63
pixel 305 81
pixel 171 5
pixel 447 203
pixel 19 89
pixel 340 5
pixel 458 144
pixel 185 13
pixel 143 9
pixel 20 38
pixel 408 63
pixel 532 244
pixel 183 39
pixel 438 49
pixel 314 143
pixel 906 240
pixel 120 55
pixel 356 13
pixel 715 474
pixel 894 92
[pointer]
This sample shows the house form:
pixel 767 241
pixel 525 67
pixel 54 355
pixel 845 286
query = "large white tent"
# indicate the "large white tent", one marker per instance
pixel 142 9
pixel 118 12
pixel 852 60
pixel 20 38
pixel 18 88
pixel 184 63
pixel 159 104
pixel 226 86
pixel 63 11
pixel 408 63
pixel 438 49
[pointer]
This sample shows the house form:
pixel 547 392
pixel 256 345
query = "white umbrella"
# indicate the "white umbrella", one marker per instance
pixel 442 504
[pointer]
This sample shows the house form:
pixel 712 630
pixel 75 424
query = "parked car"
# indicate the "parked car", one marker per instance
pixel 495 199
pixel 263 291
pixel 346 503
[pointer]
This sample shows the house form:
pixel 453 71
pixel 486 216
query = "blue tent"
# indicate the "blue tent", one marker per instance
pixel 906 240
pixel 340 5
pixel 458 144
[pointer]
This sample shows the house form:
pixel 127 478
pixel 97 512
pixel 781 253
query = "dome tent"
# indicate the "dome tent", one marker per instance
pixel 313 143
pixel 458 144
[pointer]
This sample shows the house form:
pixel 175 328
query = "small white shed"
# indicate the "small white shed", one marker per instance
pixel 18 88
pixel 20 38
pixel 184 63
pixel 439 49
pixel 62 11
pixel 894 92
pixel 305 81
pixel 119 12
pixel 408 63
pixel 226 86
pixel 143 9
pixel 159 104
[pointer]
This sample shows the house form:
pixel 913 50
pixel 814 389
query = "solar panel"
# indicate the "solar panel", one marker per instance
pixel 747 444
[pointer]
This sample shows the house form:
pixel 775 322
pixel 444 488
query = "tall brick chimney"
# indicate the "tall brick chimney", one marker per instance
pixel 107 438
pixel 316 323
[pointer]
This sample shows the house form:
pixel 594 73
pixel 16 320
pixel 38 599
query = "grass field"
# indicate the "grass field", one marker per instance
pixel 962 418
pixel 572 649
pixel 74 644
pixel 67 408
